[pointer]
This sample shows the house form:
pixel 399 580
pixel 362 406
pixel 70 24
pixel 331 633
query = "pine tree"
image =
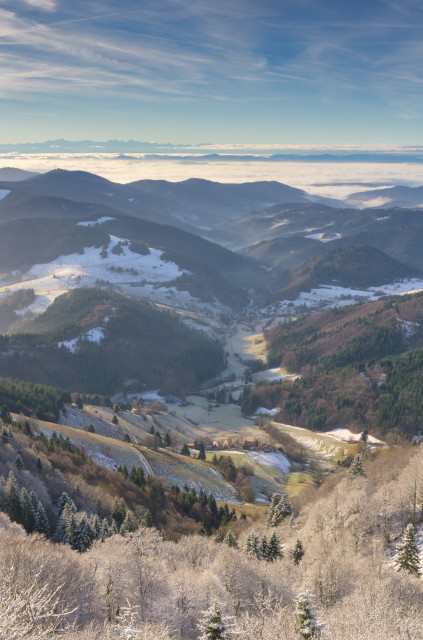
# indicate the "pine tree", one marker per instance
pixel 167 440
pixel 212 625
pixel 202 452
pixel 274 549
pixel 19 462
pixel 308 625
pixel 252 545
pixel 96 526
pixel 64 500
pixel 356 468
pixel 105 529
pixel 3 499
pixel 39 465
pixel 408 557
pixel 280 507
pixel 83 535
pixel 128 524
pixel 118 511
pixel 263 549
pixel 13 500
pixel 5 415
pixel 28 517
pixel 113 528
pixel 42 524
pixel 147 519
pixel 185 450
pixel 298 552
pixel 230 540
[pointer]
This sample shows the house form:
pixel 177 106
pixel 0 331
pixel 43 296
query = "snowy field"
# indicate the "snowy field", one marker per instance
pixel 345 435
pixel 275 460
pixel 328 296
pixel 141 275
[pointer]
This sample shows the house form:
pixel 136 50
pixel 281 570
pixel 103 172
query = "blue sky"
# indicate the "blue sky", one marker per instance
pixel 322 72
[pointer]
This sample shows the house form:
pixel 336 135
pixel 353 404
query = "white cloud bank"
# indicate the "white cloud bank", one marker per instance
pixel 329 179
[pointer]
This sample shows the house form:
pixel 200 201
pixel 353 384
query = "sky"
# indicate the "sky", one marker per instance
pixel 268 72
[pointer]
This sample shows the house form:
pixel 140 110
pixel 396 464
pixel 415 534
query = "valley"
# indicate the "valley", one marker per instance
pixel 161 393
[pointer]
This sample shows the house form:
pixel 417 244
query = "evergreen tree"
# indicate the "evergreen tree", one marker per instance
pixel 79 402
pixel 19 462
pixel 5 416
pixel 147 519
pixel 167 440
pixel 298 552
pixel 39 465
pixel 263 549
pixel 118 511
pixel 128 525
pixel 28 516
pixel 356 468
pixel 252 545
pixel 309 628
pixel 4 436
pixel 407 557
pixel 115 420
pixel 105 529
pixel 96 526
pixel 13 500
pixel 113 528
pixel 230 540
pixel 280 508
pixel 64 499
pixel 42 524
pixel 83 534
pixel 202 452
pixel 273 549
pixel 212 626
pixel 185 450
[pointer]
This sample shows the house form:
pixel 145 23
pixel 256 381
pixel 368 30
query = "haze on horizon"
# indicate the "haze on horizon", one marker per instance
pixel 283 73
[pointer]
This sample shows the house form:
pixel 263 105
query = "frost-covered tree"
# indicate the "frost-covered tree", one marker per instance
pixel 28 516
pixel 230 540
pixel 83 534
pixel 408 557
pixel 95 525
pixel 128 525
pixel 213 625
pixel 42 524
pixel 279 508
pixel 309 627
pixel 252 545
pixel 356 468
pixel 298 552
pixel 63 500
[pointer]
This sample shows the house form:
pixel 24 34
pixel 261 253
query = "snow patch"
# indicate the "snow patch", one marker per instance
pixel 262 411
pixel 324 237
pixel 93 335
pixel 4 193
pixel 276 460
pixel 345 435
pixel 327 296
pixel 94 223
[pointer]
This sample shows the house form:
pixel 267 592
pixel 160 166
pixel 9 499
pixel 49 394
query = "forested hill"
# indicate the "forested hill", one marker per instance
pixel 358 266
pixel 111 343
pixel 360 366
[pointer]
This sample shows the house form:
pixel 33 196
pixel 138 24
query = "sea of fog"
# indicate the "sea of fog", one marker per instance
pixel 330 179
